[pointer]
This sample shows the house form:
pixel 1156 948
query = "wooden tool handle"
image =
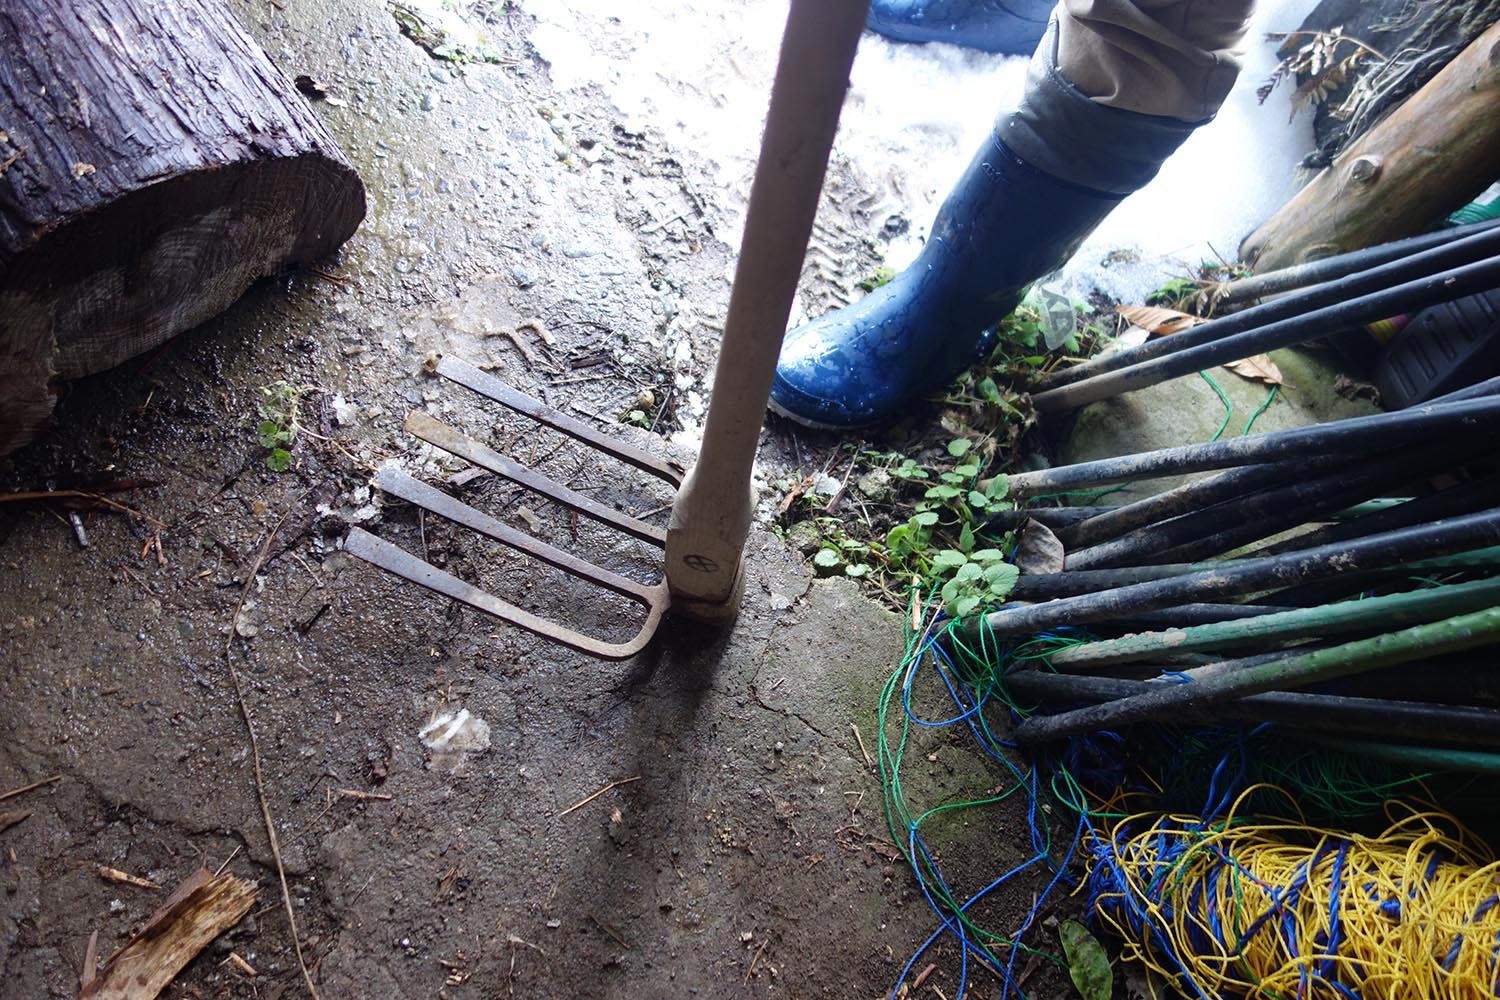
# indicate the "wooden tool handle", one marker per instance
pixel 711 517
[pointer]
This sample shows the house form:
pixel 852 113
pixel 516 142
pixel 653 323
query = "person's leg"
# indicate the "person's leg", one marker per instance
pixel 1155 57
pixel 1151 71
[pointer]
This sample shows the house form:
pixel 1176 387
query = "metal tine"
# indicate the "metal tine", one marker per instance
pixel 399 484
pixel 465 374
pixel 396 560
pixel 434 432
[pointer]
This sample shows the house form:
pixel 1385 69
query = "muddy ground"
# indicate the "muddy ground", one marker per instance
pixel 745 852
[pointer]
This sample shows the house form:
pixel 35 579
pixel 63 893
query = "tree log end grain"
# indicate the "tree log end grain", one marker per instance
pixel 155 165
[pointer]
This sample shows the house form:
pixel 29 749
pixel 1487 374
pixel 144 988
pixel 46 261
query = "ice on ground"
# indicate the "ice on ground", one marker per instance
pixel 699 70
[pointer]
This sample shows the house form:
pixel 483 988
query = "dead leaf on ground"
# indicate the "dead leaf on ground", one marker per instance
pixel 200 909
pixel 1039 550
pixel 10 819
pixel 1259 368
pixel 1159 321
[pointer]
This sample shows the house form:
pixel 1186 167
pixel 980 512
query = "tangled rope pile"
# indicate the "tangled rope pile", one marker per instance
pixel 1257 909
pixel 1220 904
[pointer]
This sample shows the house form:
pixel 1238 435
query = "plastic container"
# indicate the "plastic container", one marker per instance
pixel 1440 349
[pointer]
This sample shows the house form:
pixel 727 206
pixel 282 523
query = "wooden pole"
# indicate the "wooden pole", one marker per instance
pixel 153 163
pixel 1432 154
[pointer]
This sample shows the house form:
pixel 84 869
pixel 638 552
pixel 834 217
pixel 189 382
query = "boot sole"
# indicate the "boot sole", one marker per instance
pixel 797 418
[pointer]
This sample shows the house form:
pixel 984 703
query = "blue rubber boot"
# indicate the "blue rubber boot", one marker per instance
pixel 1007 27
pixel 1052 170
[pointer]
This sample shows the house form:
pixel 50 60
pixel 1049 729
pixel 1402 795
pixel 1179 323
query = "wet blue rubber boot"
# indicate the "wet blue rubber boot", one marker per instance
pixel 1052 170
pixel 1007 27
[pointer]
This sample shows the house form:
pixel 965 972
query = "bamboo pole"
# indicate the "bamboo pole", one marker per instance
pixel 1408 608
pixel 1229 680
pixel 1247 576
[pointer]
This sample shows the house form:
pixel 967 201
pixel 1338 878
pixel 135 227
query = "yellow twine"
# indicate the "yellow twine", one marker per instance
pixel 1247 909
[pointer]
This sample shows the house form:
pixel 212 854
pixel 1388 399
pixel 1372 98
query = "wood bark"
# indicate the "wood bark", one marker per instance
pixel 1429 157
pixel 153 164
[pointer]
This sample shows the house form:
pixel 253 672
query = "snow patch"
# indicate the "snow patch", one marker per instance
pixel 700 70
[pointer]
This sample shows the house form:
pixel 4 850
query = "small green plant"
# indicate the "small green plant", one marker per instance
pixel 941 544
pixel 1174 294
pixel 278 427
pixel 882 276
pixel 981 577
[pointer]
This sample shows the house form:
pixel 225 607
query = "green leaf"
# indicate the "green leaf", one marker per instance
pixel 268 433
pixel 857 570
pixel 947 559
pixel 987 556
pixel 1001 579
pixel 953 477
pixel 1088 963
pixel 966 539
pixel 279 460
pixel 967 573
pixel 978 500
pixel 925 518
pixel 967 471
pixel 952 591
pixel 827 558
pixel 959 447
pixel 988 390
pixel 998 487
pixel 943 492
pixel 964 605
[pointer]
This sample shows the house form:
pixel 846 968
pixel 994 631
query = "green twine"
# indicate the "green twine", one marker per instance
pixel 1223 398
pixel 1270 398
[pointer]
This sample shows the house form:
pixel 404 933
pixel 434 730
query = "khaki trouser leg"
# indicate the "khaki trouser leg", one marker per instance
pixel 1172 58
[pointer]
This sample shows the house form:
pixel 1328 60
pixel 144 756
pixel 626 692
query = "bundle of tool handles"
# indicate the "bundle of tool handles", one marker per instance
pixel 1306 556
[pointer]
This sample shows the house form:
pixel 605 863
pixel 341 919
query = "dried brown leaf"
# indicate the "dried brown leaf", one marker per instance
pixel 1039 550
pixel 1259 368
pixel 1157 320
pixel 10 819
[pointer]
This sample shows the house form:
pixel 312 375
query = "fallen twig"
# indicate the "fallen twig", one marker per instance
pixel 610 931
pixel 125 878
pixel 869 761
pixel 260 787
pixel 27 788
pixel 10 819
pixel 235 960
pixel 585 801
pixel 754 961
pixel 916 984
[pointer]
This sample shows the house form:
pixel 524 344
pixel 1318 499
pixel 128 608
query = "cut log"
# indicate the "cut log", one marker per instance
pixel 1430 156
pixel 153 164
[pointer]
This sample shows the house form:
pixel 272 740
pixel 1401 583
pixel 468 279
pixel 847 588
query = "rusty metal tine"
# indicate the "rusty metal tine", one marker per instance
pixel 399 484
pixel 434 432
pixel 470 377
pixel 396 560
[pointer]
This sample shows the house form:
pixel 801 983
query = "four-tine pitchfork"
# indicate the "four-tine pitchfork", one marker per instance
pixel 710 520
